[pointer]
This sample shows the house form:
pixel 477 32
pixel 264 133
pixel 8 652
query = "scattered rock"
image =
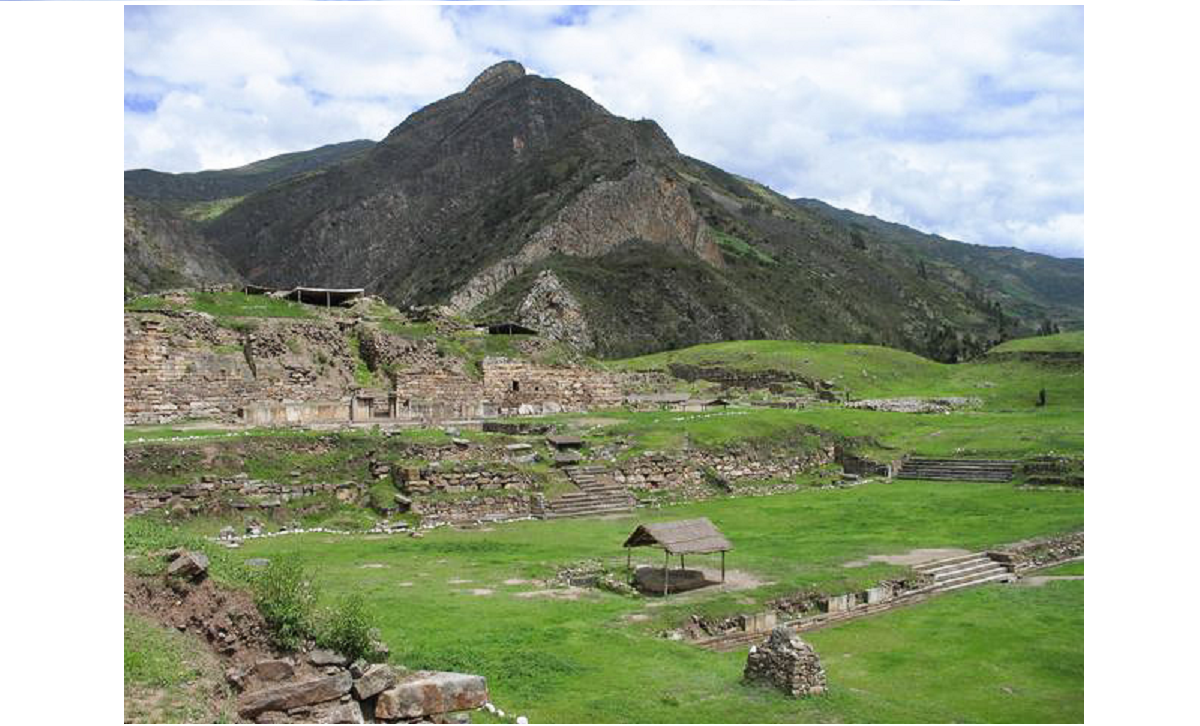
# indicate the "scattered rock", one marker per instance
pixel 276 669
pixel 189 566
pixel 320 657
pixel 294 695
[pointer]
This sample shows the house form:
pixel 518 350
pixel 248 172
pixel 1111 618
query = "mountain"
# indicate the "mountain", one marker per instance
pixel 163 250
pixel 521 198
pixel 207 186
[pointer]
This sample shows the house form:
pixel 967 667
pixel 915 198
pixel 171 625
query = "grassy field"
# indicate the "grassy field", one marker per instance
pixel 171 677
pixel 870 371
pixel 463 600
pixel 1060 343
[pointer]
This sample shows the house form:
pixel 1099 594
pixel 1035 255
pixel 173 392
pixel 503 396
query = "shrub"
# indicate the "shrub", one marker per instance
pixel 347 628
pixel 285 598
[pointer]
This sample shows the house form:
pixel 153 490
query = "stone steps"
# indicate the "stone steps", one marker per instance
pixel 598 495
pixel 957 469
pixel 949 574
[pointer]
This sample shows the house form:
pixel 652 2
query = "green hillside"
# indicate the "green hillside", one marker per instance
pixel 1060 343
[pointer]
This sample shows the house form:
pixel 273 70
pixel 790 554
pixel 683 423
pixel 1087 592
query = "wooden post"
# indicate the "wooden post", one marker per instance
pixel 666 570
pixel 327 305
pixel 629 563
pixel 682 566
pixel 722 565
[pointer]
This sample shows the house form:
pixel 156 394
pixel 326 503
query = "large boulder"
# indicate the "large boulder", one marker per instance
pixel 188 566
pixel 787 663
pixel 294 695
pixel 430 694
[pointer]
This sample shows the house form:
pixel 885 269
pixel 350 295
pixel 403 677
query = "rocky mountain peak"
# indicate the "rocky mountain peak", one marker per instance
pixel 496 76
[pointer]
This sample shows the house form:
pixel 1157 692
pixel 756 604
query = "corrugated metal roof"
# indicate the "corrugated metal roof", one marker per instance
pixel 686 536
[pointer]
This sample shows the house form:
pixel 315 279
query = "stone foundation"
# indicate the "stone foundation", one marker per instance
pixel 1041 552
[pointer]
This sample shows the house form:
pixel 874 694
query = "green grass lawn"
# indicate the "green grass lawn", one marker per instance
pixel 1059 343
pixel 451 600
pixel 171 677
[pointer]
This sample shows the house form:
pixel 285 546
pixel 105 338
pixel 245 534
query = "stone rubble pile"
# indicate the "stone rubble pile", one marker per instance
pixel 324 687
pixel 917 405
pixel 787 663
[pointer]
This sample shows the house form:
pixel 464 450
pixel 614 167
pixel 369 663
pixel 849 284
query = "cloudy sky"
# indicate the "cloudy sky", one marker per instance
pixel 962 121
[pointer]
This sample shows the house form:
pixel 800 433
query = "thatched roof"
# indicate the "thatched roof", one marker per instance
pixel 685 537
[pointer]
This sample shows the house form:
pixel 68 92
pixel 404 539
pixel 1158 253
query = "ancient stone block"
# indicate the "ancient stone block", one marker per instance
pixel 374 679
pixel 293 695
pixel 431 693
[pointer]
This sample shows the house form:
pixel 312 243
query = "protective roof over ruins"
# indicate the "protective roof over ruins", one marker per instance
pixel 682 537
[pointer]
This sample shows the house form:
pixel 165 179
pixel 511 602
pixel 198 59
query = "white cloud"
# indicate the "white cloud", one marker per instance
pixel 962 121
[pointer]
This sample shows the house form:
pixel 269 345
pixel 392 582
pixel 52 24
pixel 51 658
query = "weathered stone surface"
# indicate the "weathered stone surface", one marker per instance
pixel 373 680
pixel 276 669
pixel 348 712
pixel 787 663
pixel 189 566
pixel 321 657
pixel 294 695
pixel 431 693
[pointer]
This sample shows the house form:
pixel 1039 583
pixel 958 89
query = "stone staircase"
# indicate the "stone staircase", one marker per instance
pixel 948 574
pixel 953 573
pixel 957 469
pixel 598 494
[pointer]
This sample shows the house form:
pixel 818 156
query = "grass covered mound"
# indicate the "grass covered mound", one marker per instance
pixel 1060 343
pixel 872 371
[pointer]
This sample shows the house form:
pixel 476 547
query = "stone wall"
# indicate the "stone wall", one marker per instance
pixel 1041 552
pixel 211 494
pixel 513 387
pixel 430 480
pixel 654 471
pixel 182 365
pixel 501 506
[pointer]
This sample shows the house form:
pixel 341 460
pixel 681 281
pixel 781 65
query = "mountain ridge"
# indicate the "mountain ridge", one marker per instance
pixel 473 197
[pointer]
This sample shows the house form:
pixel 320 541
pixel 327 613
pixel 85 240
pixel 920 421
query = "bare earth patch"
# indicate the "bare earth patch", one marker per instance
pixel 518 581
pixel 912 557
pixel 564 593
pixel 458 582
pixel 372 566
pixel 482 591
pixel 404 584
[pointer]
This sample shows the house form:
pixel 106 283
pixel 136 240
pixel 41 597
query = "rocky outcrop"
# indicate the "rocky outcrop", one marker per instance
pixel 787 663
pixel 646 205
pixel 553 311
pixel 1041 552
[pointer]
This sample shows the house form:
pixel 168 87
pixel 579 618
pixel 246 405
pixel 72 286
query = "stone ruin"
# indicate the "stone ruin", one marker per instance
pixel 787 663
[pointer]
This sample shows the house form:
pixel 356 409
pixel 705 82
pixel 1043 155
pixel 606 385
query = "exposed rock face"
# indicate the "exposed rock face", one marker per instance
pixel 646 205
pixel 787 663
pixel 553 311
pixel 163 250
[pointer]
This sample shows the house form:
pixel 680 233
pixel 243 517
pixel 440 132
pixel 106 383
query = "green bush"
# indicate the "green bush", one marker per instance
pixel 286 599
pixel 347 628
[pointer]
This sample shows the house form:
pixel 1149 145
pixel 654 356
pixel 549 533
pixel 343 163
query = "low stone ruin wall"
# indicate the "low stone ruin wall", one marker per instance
pixel 430 480
pixel 652 471
pixel 239 493
pixel 1036 553
pixel 482 508
pixel 916 405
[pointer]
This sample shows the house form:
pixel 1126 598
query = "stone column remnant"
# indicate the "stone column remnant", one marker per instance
pixel 787 663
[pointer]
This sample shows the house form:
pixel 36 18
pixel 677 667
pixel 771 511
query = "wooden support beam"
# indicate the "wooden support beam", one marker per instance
pixel 722 565
pixel 666 570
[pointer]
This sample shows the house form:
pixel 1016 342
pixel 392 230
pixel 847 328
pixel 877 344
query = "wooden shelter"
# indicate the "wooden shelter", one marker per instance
pixel 682 537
